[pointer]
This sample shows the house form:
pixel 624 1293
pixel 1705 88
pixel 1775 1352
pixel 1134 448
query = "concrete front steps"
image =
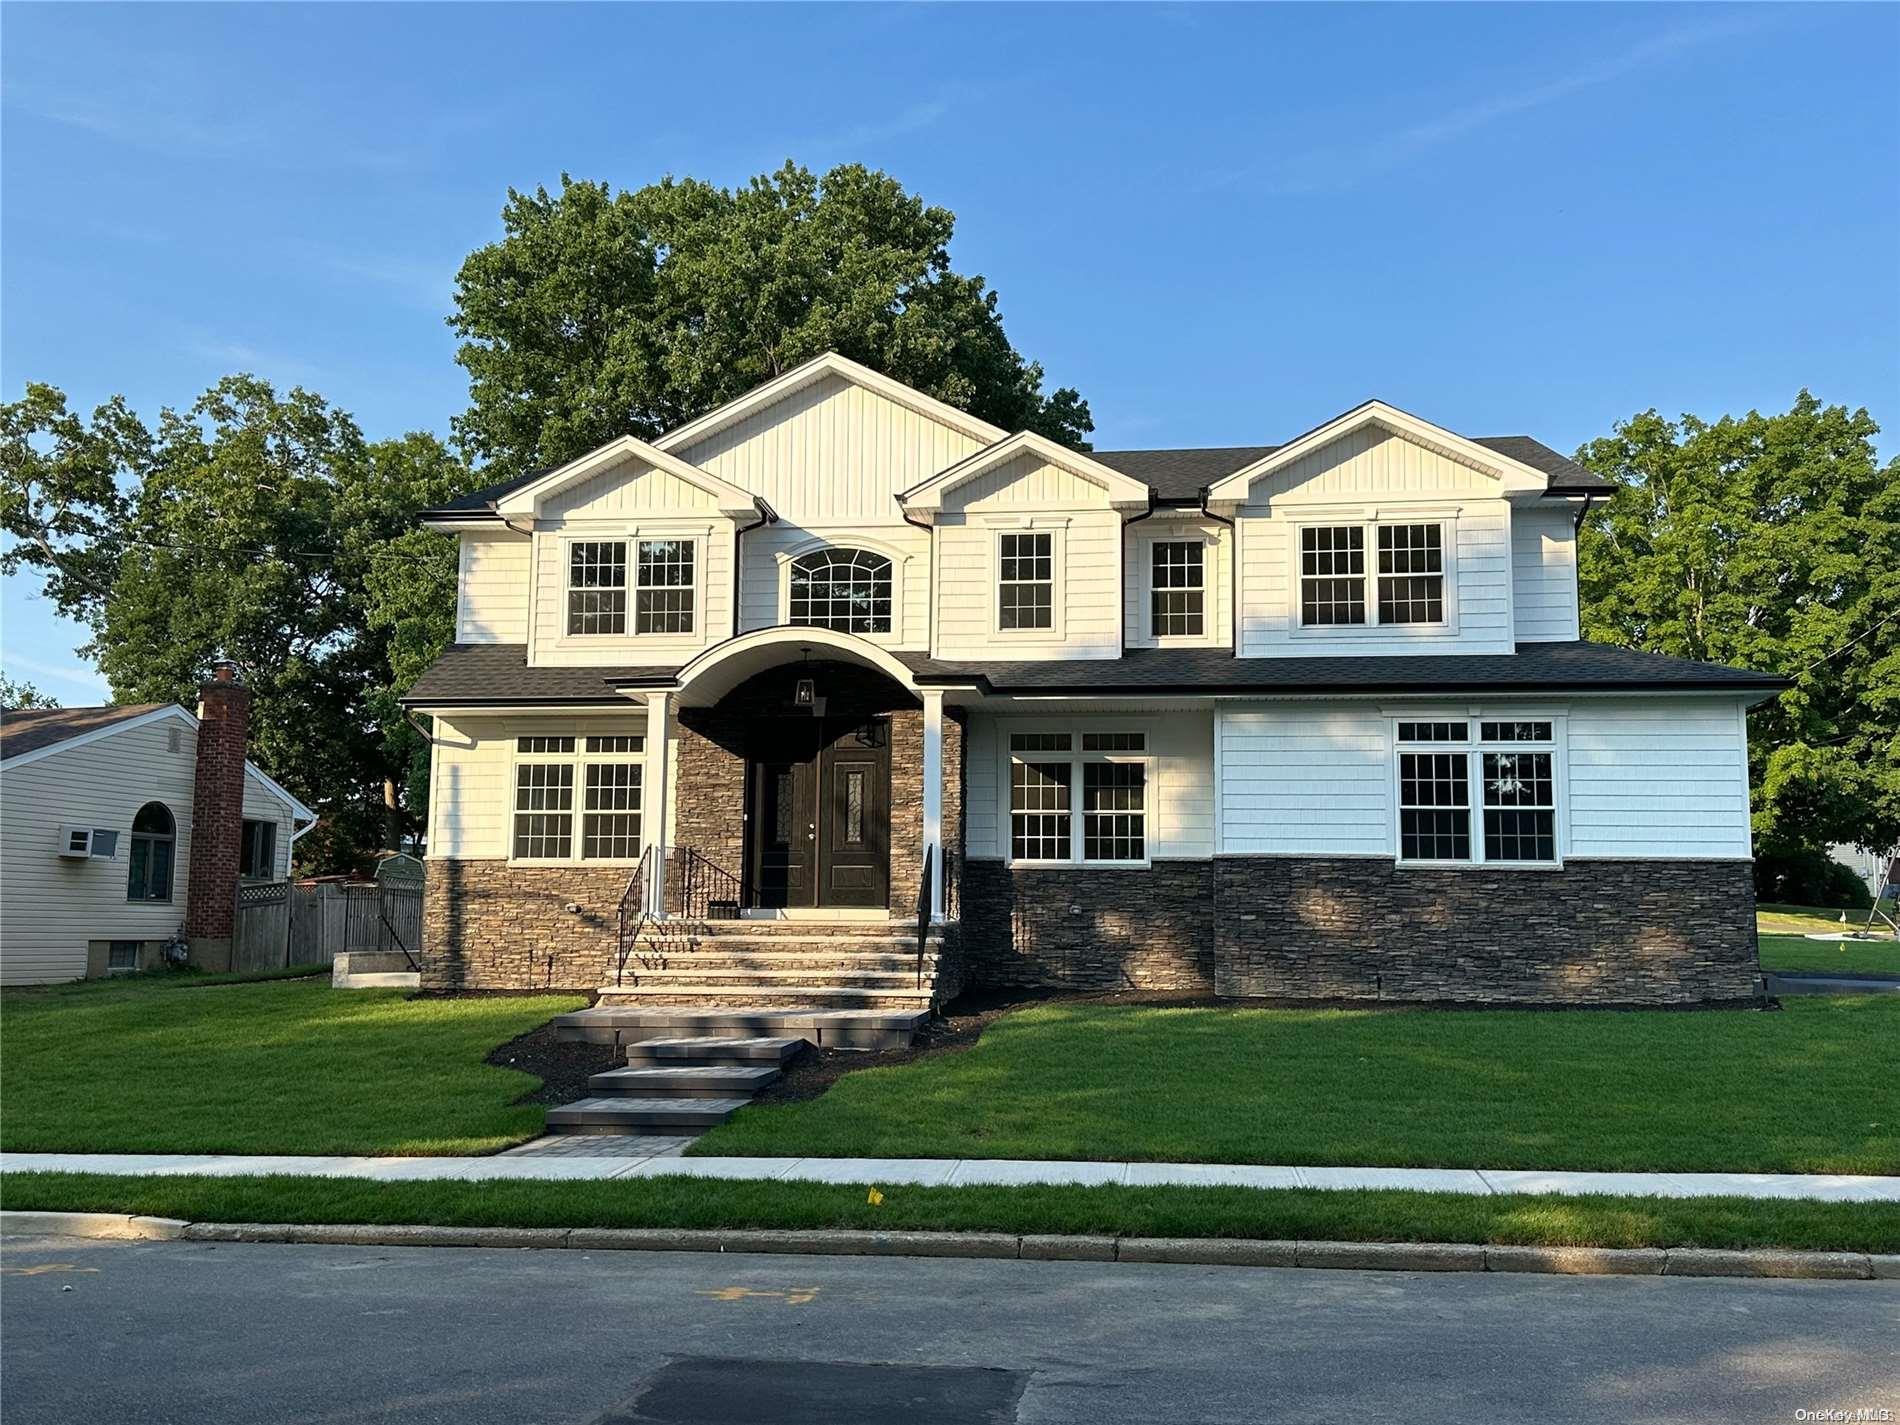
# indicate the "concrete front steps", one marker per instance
pixel 677 1085
pixel 843 964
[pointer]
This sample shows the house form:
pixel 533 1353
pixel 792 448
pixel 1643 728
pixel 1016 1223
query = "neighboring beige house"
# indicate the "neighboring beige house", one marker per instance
pixel 103 812
pixel 1303 721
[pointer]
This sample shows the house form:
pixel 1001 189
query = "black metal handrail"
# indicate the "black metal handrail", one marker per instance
pixel 707 890
pixel 923 913
pixel 633 911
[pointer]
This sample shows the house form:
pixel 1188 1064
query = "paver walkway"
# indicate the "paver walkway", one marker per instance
pixel 953 1172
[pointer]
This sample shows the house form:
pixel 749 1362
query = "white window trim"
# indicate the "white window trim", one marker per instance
pixel 1075 757
pixel 900 559
pixel 1211 604
pixel 1474 749
pixel 578 759
pixel 1057 528
pixel 1369 520
pixel 698 535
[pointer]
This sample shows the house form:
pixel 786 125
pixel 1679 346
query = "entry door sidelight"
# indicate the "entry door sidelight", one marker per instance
pixel 784 819
pixel 854 855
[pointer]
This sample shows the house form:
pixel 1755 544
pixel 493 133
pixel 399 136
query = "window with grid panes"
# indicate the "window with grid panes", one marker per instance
pixel 578 794
pixel 1332 574
pixel 663 587
pixel 1520 807
pixel 1025 581
pixel 1178 589
pixel 1038 811
pixel 1114 811
pixel 1434 806
pixel 1411 573
pixel 848 590
pixel 597 586
pixel 1512 815
pixel 1110 822
pixel 544 810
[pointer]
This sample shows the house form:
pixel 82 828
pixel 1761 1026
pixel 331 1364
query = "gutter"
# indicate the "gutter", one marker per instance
pixel 1121 643
pixel 930 604
pixel 767 515
pixel 1233 572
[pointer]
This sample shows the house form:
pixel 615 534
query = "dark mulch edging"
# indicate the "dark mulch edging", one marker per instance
pixel 562 1068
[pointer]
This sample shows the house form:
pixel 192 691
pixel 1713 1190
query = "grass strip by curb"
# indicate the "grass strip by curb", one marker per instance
pixel 1183 1251
pixel 713 1205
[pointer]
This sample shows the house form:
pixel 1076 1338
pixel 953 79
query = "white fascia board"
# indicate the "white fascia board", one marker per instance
pixel 99 734
pixel 470 524
pixel 830 364
pixel 1124 492
pixel 170 713
pixel 733 502
pixel 1514 474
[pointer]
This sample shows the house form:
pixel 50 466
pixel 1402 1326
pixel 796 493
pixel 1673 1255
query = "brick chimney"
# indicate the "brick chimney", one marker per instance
pixel 217 816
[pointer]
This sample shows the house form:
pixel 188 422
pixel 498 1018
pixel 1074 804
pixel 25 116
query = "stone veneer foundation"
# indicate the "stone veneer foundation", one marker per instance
pixel 487 925
pixel 1594 932
pixel 1089 927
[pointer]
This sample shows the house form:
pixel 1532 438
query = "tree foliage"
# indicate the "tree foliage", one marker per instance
pixel 602 314
pixel 258 527
pixel 1768 542
pixel 16 694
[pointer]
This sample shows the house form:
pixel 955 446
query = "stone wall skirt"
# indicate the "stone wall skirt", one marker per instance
pixel 487 925
pixel 1594 932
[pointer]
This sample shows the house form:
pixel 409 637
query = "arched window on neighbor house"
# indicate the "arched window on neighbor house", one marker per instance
pixel 846 590
pixel 154 838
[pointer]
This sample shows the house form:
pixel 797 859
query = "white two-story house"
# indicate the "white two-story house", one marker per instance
pixel 1307 721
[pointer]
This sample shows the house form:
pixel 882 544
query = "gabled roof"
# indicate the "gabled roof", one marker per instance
pixel 526 498
pixel 29 734
pixel 24 730
pixel 819 367
pixel 1510 472
pixel 1122 492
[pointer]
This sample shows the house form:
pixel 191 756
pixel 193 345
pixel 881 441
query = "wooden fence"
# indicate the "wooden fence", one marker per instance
pixel 281 923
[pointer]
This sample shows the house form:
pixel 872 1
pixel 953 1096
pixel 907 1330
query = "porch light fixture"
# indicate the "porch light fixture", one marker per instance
pixel 805 693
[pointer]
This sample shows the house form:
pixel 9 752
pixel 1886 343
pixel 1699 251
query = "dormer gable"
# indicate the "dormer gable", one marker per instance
pixel 1356 450
pixel 1026 469
pixel 625 475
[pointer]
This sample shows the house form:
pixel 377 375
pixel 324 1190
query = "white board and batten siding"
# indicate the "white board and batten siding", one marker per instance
pixel 52 906
pixel 1029 495
pixel 1639 777
pixel 1367 474
pixel 830 453
pixel 1544 572
pixel 1181 790
pixel 632 501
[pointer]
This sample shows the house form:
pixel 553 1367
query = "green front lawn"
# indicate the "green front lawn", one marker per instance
pixel 1297 1214
pixel 1772 919
pixel 1810 1088
pixel 166 1065
pixel 1834 957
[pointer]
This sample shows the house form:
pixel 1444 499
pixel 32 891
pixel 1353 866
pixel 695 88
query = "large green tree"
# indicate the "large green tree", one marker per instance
pixel 601 314
pixel 261 527
pixel 1768 542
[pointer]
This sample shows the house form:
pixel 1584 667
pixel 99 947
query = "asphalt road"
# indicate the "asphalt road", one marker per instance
pixel 187 1332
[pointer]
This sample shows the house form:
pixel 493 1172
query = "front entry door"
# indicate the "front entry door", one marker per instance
pixel 821 813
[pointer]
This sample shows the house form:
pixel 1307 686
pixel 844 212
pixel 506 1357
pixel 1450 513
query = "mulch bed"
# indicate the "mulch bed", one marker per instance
pixel 562 1068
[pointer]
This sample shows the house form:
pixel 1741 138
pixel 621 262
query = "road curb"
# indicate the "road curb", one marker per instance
pixel 1181 1251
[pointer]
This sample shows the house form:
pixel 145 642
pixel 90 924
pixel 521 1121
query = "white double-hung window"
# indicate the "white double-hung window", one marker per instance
pixel 1374 572
pixel 577 798
pixel 1079 796
pixel 1491 797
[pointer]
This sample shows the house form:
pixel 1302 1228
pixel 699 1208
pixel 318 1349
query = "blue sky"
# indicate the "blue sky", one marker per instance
pixel 1221 224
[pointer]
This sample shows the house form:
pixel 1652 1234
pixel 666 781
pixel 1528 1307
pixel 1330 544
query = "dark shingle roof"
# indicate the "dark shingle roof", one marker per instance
pixel 497 674
pixel 1179 476
pixel 24 730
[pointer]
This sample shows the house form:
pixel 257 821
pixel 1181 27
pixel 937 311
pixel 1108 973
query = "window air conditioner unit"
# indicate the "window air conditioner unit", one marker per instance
pixel 75 842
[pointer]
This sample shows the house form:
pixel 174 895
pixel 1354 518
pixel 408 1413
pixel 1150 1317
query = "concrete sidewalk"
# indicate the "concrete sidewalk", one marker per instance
pixel 966 1172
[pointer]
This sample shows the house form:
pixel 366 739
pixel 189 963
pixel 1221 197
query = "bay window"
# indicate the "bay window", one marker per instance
pixel 1078 797
pixel 1510 818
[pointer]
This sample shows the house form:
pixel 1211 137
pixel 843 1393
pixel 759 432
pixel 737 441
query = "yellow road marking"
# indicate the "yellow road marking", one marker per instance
pixel 43 1269
pixel 796 1296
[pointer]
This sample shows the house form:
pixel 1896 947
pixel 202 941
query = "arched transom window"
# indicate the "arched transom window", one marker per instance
pixel 846 590
pixel 149 869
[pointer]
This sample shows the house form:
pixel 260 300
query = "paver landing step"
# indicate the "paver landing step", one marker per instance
pixel 713 1048
pixel 656 1115
pixel 684 1080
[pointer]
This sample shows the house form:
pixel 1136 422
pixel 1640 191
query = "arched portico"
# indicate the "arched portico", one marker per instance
pixel 811 768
